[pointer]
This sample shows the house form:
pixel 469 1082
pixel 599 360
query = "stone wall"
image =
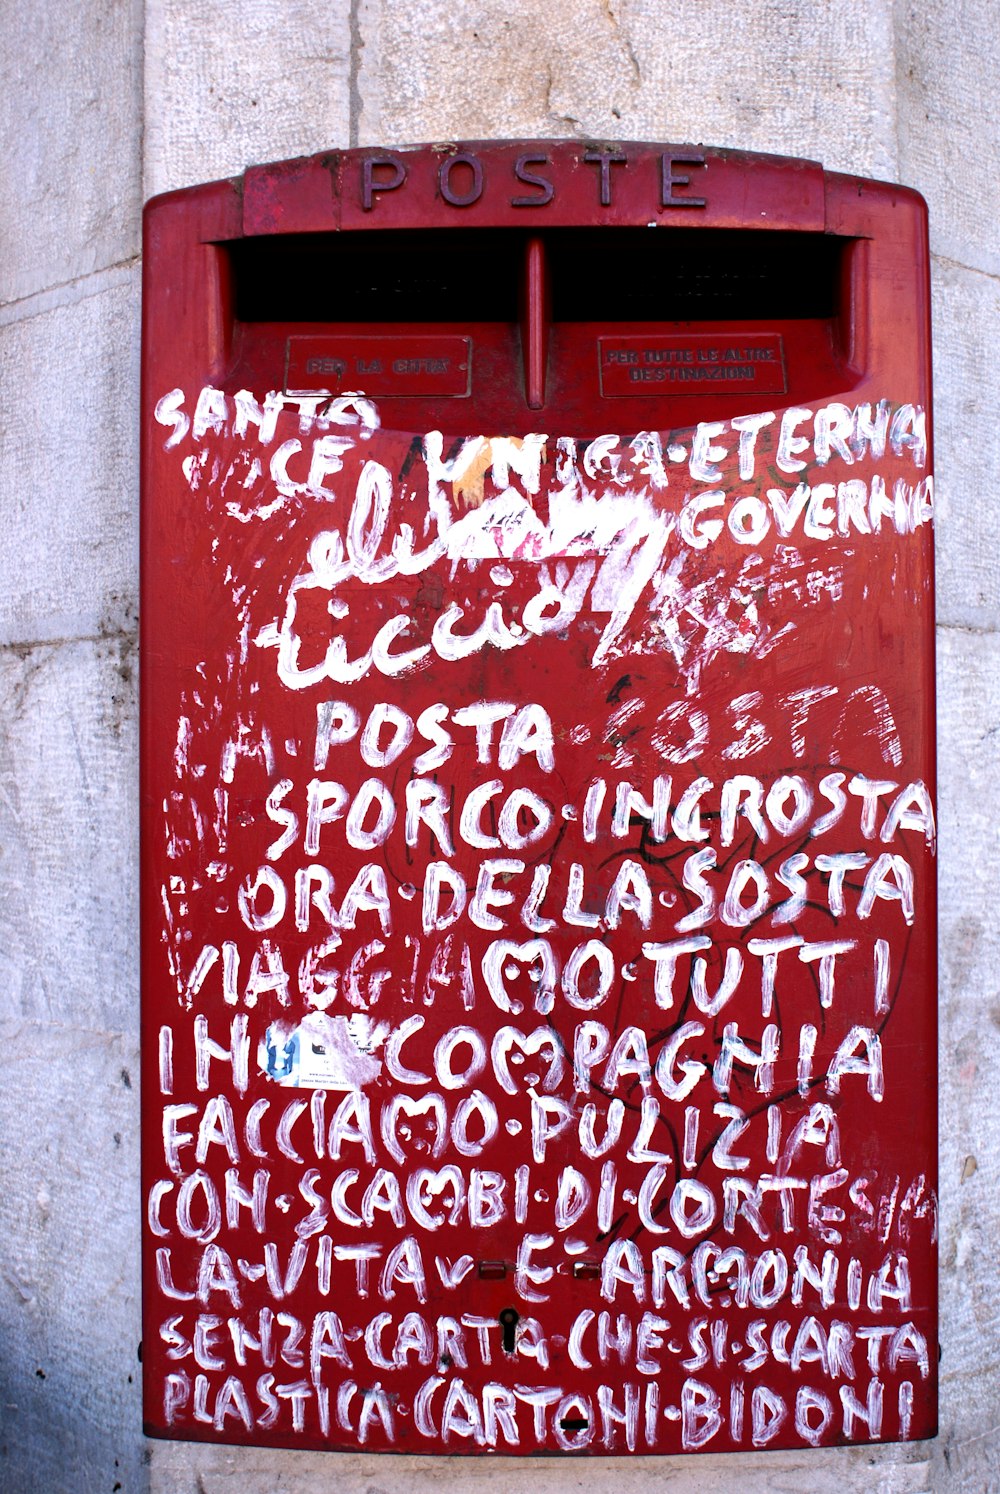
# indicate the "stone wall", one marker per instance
pixel 118 100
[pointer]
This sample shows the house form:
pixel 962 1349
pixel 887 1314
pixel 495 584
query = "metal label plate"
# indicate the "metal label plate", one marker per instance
pixel 386 365
pixel 691 363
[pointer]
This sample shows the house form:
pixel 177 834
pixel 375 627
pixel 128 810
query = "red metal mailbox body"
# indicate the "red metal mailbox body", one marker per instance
pixel 539 943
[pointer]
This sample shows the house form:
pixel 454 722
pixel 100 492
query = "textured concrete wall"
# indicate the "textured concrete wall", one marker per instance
pixel 133 98
pixel 71 110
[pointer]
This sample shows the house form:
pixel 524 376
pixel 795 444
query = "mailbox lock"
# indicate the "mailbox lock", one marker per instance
pixel 509 1319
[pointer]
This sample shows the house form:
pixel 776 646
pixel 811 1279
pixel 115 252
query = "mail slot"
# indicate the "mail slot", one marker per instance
pixel 537 790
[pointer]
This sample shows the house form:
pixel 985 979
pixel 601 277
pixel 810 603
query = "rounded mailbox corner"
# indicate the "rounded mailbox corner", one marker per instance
pixel 865 206
pixel 204 204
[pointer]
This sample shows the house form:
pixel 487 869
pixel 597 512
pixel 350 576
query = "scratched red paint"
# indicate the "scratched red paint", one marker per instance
pixel 539 942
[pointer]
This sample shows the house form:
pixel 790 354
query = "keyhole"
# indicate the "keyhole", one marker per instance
pixel 508 1322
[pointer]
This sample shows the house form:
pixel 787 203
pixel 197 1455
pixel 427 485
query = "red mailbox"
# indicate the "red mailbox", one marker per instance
pixel 537 754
